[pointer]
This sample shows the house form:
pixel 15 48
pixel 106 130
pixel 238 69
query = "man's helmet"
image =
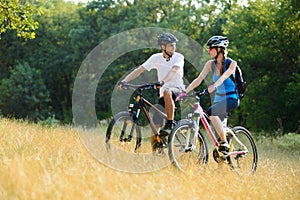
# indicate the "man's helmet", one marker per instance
pixel 218 41
pixel 166 38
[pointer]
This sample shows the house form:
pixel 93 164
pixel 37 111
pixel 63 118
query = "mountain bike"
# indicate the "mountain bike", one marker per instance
pixel 188 148
pixel 124 130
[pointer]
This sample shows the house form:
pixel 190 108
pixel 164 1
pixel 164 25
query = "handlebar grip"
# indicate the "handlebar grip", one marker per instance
pixel 123 85
pixel 159 84
pixel 203 92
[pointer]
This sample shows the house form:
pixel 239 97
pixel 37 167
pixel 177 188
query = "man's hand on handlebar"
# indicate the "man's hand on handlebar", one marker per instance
pixel 158 84
pixel 122 85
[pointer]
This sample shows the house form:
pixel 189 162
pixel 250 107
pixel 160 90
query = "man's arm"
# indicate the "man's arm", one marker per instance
pixel 172 73
pixel 134 74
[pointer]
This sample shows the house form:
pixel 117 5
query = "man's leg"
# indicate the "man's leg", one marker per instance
pixel 158 121
pixel 169 105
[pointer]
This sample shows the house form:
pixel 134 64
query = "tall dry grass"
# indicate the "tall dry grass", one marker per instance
pixel 52 163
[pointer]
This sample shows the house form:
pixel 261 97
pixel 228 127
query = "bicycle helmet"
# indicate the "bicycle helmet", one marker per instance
pixel 218 41
pixel 166 38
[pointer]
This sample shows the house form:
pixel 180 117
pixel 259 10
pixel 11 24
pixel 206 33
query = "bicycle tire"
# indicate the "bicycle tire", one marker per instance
pixel 123 133
pixel 187 160
pixel 243 164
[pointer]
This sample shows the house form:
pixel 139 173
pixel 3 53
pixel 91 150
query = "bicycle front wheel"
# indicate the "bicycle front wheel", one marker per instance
pixel 185 153
pixel 123 133
pixel 242 141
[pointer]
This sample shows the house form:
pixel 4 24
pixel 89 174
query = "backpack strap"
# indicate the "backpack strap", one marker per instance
pixel 227 64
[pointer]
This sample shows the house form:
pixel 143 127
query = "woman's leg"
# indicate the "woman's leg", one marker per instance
pixel 218 125
pixel 217 113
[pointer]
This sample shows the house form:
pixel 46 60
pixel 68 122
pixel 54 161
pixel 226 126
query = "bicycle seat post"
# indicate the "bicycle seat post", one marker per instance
pixel 224 122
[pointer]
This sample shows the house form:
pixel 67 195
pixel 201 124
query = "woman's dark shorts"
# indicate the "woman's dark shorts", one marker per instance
pixel 223 107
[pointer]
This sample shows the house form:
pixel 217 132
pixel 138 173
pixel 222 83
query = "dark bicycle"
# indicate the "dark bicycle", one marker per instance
pixel 124 131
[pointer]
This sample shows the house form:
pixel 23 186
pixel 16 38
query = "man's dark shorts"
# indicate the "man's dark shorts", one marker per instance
pixel 157 118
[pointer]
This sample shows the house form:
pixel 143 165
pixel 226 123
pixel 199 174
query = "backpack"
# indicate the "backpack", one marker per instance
pixel 238 80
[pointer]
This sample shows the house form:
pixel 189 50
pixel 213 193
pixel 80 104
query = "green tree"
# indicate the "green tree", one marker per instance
pixel 24 94
pixel 265 38
pixel 19 16
pixel 102 19
pixel 54 54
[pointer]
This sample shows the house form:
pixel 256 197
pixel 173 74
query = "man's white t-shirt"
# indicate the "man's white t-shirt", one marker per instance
pixel 163 67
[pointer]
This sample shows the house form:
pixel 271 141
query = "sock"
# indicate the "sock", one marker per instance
pixel 169 121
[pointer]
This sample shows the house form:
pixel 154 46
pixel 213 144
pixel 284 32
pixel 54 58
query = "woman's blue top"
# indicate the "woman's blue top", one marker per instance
pixel 228 88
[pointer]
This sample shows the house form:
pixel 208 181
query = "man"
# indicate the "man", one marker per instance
pixel 169 65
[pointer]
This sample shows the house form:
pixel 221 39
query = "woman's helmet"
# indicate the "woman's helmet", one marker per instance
pixel 166 38
pixel 218 41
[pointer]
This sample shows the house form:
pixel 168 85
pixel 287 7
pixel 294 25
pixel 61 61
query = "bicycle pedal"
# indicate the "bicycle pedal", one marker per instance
pixel 223 156
pixel 219 156
pixel 157 145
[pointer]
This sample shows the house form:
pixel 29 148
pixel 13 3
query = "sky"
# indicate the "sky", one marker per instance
pixel 77 1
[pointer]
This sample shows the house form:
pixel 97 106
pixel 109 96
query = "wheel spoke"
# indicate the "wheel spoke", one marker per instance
pixel 182 154
pixel 123 134
pixel 243 158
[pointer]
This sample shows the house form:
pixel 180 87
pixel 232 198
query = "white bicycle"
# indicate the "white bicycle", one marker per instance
pixel 188 148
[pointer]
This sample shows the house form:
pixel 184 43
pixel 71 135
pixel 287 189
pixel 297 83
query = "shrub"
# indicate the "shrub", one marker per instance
pixel 24 94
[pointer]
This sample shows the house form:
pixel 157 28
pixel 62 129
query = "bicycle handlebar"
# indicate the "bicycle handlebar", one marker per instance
pixel 147 86
pixel 201 93
pixel 198 94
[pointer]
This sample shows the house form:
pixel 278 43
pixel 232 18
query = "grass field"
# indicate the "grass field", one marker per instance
pixel 39 162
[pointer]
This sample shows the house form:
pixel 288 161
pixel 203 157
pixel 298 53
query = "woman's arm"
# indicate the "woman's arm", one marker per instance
pixel 226 74
pixel 195 83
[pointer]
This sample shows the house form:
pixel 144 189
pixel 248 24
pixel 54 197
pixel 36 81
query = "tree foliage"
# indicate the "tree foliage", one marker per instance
pixel 263 34
pixel 265 38
pixel 24 94
pixel 19 16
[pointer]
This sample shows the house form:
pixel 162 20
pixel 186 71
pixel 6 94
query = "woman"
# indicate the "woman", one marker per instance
pixel 226 96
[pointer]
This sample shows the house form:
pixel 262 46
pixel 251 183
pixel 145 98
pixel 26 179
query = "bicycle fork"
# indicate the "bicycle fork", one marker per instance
pixel 190 146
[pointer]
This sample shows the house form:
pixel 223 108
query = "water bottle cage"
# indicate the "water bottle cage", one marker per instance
pixel 131 108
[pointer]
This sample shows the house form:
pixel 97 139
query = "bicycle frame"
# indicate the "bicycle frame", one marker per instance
pixel 141 103
pixel 201 116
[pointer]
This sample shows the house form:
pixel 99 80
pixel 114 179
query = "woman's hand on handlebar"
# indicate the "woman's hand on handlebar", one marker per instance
pixel 211 88
pixel 180 96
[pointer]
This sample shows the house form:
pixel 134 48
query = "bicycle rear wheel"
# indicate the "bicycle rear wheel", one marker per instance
pixel 123 133
pixel 242 163
pixel 183 154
